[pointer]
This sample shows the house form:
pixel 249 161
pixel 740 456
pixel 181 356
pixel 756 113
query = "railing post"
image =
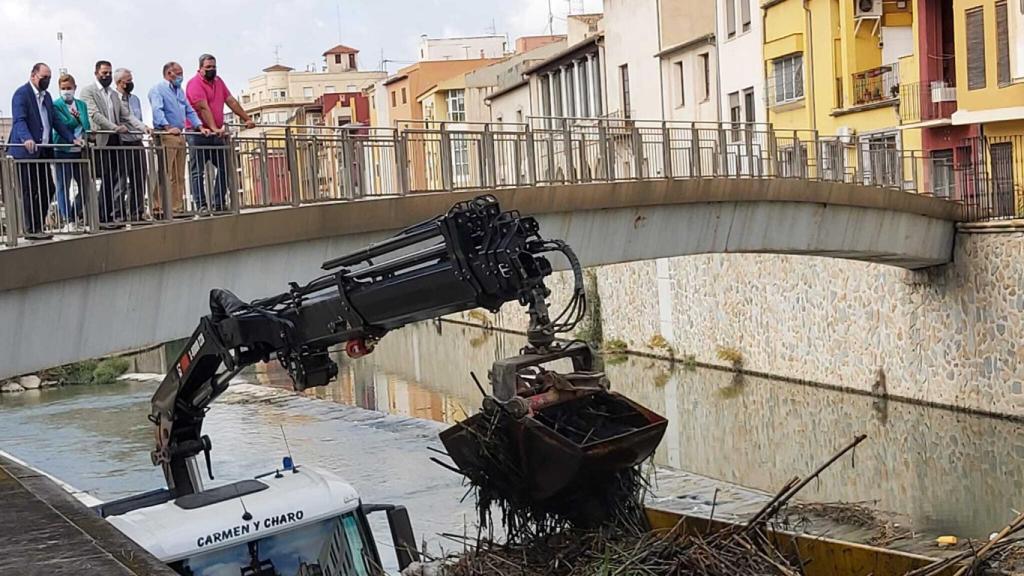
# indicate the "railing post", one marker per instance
pixel 446 159
pixel 11 200
pixel 490 160
pixel 347 156
pixel 163 181
pixel 638 152
pixel 666 149
pixel 92 197
pixel 773 154
pixel 517 159
pixel 723 151
pixel 696 170
pixel 402 162
pixel 604 148
pixel 314 165
pixel 748 134
pixel 264 173
pixel 531 157
pixel 232 175
pixel 293 166
pixel 569 160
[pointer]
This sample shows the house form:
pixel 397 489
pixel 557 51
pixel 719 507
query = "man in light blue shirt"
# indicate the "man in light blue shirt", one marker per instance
pixel 172 114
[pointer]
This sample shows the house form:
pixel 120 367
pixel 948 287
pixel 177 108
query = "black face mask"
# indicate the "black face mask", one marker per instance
pixel 105 81
pixel 44 83
pixel 210 74
pixel 128 87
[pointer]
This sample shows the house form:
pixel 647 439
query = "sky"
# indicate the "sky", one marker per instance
pixel 243 34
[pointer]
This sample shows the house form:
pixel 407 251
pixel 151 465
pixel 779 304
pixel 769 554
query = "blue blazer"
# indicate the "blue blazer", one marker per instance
pixel 28 124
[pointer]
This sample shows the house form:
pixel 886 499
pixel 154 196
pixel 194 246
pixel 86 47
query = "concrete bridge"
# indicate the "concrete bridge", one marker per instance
pixel 75 299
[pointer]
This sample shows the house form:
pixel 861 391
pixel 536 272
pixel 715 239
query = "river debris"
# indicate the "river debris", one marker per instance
pixel 884 529
pixel 541 540
pixel 984 559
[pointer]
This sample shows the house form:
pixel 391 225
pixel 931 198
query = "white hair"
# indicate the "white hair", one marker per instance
pixel 121 73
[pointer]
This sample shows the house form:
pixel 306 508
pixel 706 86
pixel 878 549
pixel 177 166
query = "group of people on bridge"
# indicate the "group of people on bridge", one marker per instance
pixel 50 140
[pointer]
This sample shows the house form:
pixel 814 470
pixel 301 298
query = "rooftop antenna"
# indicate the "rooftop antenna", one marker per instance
pixel 60 40
pixel 290 462
pixel 492 29
pixel 338 6
pixel 551 20
pixel 277 53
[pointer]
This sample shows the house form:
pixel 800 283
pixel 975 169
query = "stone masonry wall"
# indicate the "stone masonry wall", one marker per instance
pixel 951 335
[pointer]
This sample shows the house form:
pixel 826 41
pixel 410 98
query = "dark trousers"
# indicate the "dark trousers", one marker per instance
pixel 36 190
pixel 106 166
pixel 203 150
pixel 131 180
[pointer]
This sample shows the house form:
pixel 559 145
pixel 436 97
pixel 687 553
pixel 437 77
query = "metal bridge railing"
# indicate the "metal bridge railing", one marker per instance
pixel 162 177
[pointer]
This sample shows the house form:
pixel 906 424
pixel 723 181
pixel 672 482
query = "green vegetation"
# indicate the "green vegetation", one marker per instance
pixel 615 346
pixel 104 371
pixel 731 355
pixel 590 330
pixel 689 362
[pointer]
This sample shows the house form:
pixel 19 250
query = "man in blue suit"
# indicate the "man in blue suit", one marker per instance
pixel 31 133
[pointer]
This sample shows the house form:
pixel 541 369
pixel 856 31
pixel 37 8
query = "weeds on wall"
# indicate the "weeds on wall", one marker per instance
pixel 99 372
pixel 590 330
pixel 731 356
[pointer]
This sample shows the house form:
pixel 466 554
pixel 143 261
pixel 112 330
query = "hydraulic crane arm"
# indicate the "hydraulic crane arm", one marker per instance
pixel 473 256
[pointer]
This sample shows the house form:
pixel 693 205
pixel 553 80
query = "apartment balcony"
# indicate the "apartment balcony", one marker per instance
pixel 933 102
pixel 876 85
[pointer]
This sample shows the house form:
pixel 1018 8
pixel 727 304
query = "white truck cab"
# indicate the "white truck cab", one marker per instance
pixel 299 521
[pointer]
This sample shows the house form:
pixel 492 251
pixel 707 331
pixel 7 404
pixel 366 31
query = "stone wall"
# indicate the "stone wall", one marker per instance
pixel 950 335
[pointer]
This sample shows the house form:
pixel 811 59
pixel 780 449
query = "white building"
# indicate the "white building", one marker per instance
pixel 689 61
pixel 505 77
pixel 739 38
pixel 466 48
pixel 631 68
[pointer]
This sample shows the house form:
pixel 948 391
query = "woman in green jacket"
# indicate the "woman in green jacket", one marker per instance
pixel 74 114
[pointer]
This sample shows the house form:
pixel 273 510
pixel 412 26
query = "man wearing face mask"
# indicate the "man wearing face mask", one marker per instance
pixel 132 174
pixel 74 114
pixel 172 114
pixel 208 95
pixel 109 115
pixel 33 121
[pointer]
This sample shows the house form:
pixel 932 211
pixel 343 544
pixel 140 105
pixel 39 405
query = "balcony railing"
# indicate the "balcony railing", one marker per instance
pixel 876 85
pixel 933 101
pixel 116 186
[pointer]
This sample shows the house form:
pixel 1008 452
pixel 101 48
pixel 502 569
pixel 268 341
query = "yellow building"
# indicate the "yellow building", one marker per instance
pixel 990 95
pixel 833 72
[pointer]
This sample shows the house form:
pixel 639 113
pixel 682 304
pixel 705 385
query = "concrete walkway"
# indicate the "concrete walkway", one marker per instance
pixel 45 531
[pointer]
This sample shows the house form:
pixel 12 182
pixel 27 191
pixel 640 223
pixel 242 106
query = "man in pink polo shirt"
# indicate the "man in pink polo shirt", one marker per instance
pixel 208 94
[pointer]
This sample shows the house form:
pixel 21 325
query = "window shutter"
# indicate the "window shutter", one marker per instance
pixel 1002 45
pixel 730 16
pixel 975 49
pixel 745 13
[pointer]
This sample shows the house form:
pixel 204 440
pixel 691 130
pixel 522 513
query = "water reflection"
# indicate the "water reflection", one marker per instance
pixel 950 472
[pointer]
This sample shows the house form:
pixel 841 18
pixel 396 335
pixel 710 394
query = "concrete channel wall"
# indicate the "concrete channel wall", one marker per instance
pixel 949 335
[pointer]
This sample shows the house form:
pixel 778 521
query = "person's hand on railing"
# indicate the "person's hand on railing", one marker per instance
pixel 121 129
pixel 30 145
pixel 205 131
pixel 249 124
pixel 80 142
pixel 173 131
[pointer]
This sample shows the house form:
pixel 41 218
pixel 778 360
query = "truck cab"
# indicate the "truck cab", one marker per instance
pixel 299 521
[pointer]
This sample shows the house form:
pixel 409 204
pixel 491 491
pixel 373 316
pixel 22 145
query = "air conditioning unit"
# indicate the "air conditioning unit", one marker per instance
pixel 942 92
pixel 867 8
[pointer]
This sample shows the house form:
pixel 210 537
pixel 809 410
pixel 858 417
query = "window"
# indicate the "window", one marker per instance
pixel 352 88
pixel 788 77
pixel 681 84
pixel 307 92
pixel 335 547
pixel 245 98
pixel 404 99
pixel 596 84
pixel 519 116
pixel 351 60
pixel 460 161
pixel 975 49
pixel 748 105
pixel 570 90
pixel 705 62
pixel 337 58
pixel 545 95
pixel 735 114
pixel 624 79
pixel 457 105
pixel 942 173
pixel 730 17
pixel 557 95
pixel 329 88
pixel 1002 45
pixel 745 14
pixel 394 98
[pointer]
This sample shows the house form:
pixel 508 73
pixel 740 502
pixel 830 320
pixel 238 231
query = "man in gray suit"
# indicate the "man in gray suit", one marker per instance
pixel 108 113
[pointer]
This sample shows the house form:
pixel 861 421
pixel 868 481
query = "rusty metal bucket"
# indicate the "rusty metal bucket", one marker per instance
pixel 559 447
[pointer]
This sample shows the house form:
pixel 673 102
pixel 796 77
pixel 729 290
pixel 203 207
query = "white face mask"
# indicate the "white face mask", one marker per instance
pixel 68 95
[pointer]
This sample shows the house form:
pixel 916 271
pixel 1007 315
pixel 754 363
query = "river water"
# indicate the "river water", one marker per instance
pixel 946 472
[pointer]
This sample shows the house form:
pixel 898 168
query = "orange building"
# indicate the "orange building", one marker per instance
pixel 412 81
